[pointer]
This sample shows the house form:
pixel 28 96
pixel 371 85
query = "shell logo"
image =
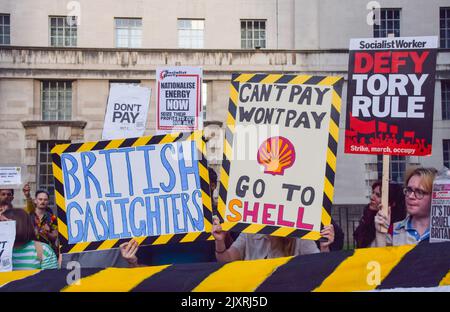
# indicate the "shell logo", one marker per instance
pixel 276 154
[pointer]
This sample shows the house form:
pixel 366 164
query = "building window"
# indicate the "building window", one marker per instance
pixel 191 33
pixel 5 38
pixel 44 167
pixel 444 21
pixel 445 99
pixel 128 32
pixel 56 100
pixel 253 34
pixel 446 149
pixel 396 169
pixel 63 31
pixel 389 23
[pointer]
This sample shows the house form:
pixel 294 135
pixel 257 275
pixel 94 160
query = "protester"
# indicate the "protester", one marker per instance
pixel 6 195
pixel 28 254
pixel 364 234
pixel 415 227
pixel 260 246
pixel 44 221
pixel 4 205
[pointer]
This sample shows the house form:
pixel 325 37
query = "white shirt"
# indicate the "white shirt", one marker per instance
pixel 258 246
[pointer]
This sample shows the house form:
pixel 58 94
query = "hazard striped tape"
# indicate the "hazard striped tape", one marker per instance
pixel 424 265
pixel 330 171
pixel 58 150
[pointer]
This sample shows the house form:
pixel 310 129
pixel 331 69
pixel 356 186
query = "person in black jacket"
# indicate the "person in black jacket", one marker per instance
pixel 364 234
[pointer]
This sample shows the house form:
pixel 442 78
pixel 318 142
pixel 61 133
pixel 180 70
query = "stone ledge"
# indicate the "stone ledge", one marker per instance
pixel 61 123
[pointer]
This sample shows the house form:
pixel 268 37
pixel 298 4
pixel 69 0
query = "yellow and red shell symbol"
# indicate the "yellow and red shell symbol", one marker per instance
pixel 276 154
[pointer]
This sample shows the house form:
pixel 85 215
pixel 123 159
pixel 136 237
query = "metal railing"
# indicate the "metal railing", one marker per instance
pixel 347 217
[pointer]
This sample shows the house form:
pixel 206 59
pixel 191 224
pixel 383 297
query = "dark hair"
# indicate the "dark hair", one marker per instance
pixel 365 232
pixel 40 192
pixel 12 190
pixel 24 226
pixel 376 184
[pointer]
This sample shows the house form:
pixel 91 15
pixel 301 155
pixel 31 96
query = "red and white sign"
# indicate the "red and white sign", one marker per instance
pixel 178 99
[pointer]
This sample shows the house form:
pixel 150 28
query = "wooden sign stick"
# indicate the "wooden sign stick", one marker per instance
pixel 385 189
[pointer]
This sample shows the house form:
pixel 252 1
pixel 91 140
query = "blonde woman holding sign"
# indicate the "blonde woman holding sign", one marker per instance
pixel 415 228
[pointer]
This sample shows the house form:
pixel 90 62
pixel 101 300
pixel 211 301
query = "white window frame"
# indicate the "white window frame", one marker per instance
pixel 56 100
pixel 387 23
pixel 191 33
pixel 128 29
pixel 444 27
pixel 251 36
pixel 65 31
pixel 5 30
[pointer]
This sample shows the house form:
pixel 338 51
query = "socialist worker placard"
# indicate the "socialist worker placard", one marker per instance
pixel 390 96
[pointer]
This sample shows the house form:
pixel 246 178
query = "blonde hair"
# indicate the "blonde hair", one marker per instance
pixel 285 244
pixel 427 175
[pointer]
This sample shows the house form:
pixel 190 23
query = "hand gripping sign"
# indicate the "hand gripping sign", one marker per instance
pixel 153 188
pixel 283 185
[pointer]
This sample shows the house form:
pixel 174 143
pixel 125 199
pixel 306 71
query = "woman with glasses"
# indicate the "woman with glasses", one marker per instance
pixel 415 227
pixel 364 234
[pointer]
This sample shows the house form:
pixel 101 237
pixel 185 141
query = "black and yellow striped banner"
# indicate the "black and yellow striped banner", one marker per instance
pixel 58 150
pixel 336 84
pixel 424 265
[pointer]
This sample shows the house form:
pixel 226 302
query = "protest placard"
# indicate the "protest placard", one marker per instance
pixel 440 208
pixel 284 185
pixel 126 111
pixel 10 176
pixel 178 99
pixel 390 97
pixel 153 188
pixel 7 238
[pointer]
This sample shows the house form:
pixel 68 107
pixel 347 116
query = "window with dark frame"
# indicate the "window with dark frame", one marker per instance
pixel 253 34
pixel 445 99
pixel 63 31
pixel 444 27
pixel 56 100
pixel 389 23
pixel 5 29
pixel 44 170
pixel 396 169
pixel 446 151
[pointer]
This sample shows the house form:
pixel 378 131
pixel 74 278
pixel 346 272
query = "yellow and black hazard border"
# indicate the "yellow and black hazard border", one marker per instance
pixel 336 84
pixel 367 269
pixel 58 150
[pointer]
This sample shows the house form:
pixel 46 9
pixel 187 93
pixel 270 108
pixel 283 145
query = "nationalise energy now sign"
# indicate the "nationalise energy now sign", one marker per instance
pixel 390 97
pixel 109 191
pixel 178 97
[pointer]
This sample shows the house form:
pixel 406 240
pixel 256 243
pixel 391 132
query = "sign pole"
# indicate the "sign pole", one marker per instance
pixel 385 189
